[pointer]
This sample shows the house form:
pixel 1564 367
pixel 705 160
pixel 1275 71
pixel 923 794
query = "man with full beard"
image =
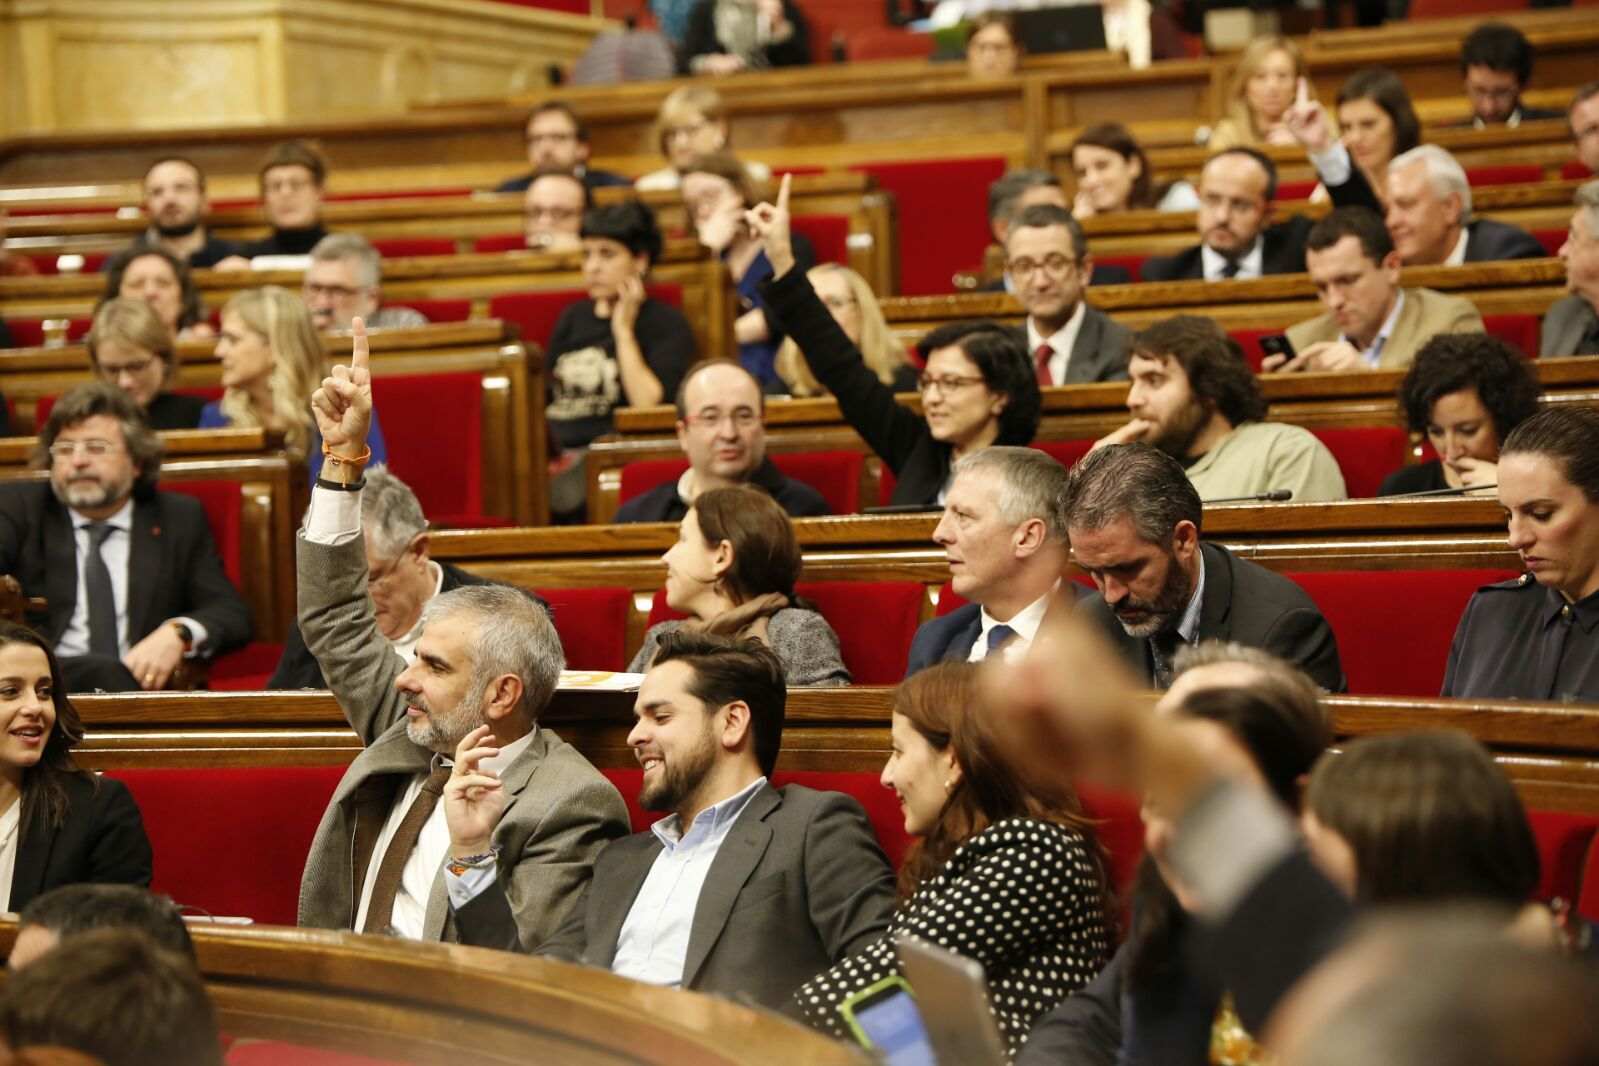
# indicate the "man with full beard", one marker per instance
pixel 1194 397
pixel 130 576
pixel 386 859
pixel 742 890
pixel 1134 521
pixel 176 205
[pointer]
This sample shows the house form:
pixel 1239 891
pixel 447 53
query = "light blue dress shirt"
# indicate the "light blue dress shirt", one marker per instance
pixel 653 945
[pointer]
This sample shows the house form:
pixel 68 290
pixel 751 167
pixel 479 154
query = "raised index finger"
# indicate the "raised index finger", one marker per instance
pixel 359 350
pixel 1304 91
pixel 782 192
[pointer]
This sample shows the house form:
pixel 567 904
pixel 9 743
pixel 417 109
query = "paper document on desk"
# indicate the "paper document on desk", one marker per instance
pixel 604 680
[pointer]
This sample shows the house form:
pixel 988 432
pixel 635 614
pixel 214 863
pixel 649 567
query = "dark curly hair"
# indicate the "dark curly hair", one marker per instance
pixel 192 310
pixel 1217 372
pixel 630 224
pixel 1000 355
pixel 1451 362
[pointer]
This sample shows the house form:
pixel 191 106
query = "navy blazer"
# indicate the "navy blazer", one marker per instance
pixel 950 637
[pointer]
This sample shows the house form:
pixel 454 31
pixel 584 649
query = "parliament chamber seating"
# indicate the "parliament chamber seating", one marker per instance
pixel 536 313
pixel 437 436
pixel 1365 454
pixel 1521 332
pixel 408 247
pixel 836 475
pixel 439 311
pixel 942 223
pixel 594 625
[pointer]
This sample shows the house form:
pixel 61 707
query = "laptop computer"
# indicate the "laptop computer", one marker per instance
pixel 1077 28
pixel 952 999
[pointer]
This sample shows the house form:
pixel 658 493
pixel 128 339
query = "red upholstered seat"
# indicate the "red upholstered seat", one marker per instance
pixel 888 42
pixel 828 234
pixel 1519 331
pixel 1133 264
pixel 1575 170
pixel 29 332
pixel 1120 828
pixel 1249 341
pixel 1296 190
pixel 438 434
pixel 1564 842
pixel 642 475
pixel 1394 627
pixel 440 310
pixel 404 247
pixel 224 513
pixel 246 669
pixel 1504 174
pixel 1588 897
pixel 592 625
pixel 407 193
pixel 1366 455
pixel 1551 239
pixel 537 312
pixel 836 475
pixel 1064 452
pixel 938 235
pixel 500 242
pixel 232 841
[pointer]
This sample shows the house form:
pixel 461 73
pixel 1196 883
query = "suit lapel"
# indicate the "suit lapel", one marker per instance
pixel 61 567
pixel 617 891
pixel 1083 361
pixel 737 858
pixel 1406 326
pixel 144 570
pixel 1215 613
pixel 960 649
pixel 33 858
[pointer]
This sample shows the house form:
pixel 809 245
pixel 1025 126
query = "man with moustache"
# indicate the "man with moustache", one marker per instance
pixel 720 427
pixel 386 858
pixel 176 205
pixel 743 890
pixel 1134 520
pixel 130 576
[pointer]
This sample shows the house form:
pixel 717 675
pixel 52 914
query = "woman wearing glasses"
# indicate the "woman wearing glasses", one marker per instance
pixel 978 385
pixel 132 349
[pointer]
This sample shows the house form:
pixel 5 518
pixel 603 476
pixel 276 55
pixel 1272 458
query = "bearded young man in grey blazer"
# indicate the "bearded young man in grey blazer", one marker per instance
pixel 743 890
pixel 386 858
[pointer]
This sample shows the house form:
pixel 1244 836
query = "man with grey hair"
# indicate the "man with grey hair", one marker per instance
pixel 131 578
pixel 345 280
pixel 1134 521
pixel 401 578
pixel 1571 325
pixel 386 858
pixel 1003 534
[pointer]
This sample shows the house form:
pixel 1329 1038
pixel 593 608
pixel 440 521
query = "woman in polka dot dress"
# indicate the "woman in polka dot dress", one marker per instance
pixel 1011 878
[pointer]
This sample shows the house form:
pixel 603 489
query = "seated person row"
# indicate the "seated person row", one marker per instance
pixel 272 361
pixel 130 347
pixel 558 142
pixel 732 571
pixel 692 122
pixel 130 575
pixel 1464 393
pixel 1113 174
pixel 1009 195
pixel 855 308
pixel 620 347
pixel 1195 398
pixel 1571 325
pixel 344 280
pixel 163 281
pixel 1370 321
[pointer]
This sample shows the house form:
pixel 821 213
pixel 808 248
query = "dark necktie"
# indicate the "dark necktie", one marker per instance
pixel 1163 649
pixel 380 911
pixel 102 600
pixel 997 637
pixel 1230 269
pixel 1041 359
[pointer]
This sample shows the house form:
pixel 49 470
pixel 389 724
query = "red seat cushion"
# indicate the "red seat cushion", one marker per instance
pixel 1551 239
pixel 642 475
pixel 1249 341
pixel 29 332
pixel 445 413
pixel 246 669
pixel 1518 331
pixel 537 312
pixel 440 310
pixel 592 625
pixel 1504 174
pixel 1120 829
pixel 888 42
pixel 1064 452
pixel 404 247
pixel 1575 170
pixel 882 806
pixel 936 242
pixel 277 1052
pixel 1588 898
pixel 1296 190
pixel 1394 627
pixel 407 193
pixel 1564 840
pixel 828 234
pixel 232 841
pixel 1366 455
pixel 223 502
pixel 500 242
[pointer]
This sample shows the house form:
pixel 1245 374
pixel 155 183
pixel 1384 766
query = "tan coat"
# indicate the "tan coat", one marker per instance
pixel 1425 314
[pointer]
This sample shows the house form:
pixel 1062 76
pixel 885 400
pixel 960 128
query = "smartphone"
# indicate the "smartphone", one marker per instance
pixel 1277 344
pixel 884 1018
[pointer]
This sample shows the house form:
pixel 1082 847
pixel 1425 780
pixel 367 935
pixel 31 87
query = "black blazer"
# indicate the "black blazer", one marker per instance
pixel 173 566
pixel 173 410
pixel 951 637
pixel 1488 241
pixel 298 668
pixel 1101 351
pixel 1247 603
pixel 102 840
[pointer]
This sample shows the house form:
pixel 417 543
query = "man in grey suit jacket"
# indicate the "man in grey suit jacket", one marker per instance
pixel 1046 257
pixel 385 858
pixel 743 890
pixel 1570 326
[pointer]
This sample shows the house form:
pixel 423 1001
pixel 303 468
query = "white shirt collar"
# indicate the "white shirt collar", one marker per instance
pixel 1063 340
pixel 122 520
pixel 509 753
pixel 1457 255
pixel 1188 627
pixel 1249 265
pixel 1025 623
pixel 715 819
pixel 1372 353
pixel 1512 122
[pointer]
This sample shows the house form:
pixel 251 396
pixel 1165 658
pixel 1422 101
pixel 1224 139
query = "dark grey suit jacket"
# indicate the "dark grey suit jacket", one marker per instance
pixel 1101 350
pixel 1488 241
pixel 1564 325
pixel 1247 603
pixel 798 884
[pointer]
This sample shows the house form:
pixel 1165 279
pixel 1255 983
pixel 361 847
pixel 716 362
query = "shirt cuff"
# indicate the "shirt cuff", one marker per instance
pixel 1332 165
pixel 465 887
pixel 197 631
pixel 334 516
pixel 1226 842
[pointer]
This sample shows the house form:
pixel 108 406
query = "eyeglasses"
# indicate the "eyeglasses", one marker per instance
pixel 382 575
pixel 1056 266
pixel 553 214
pixel 947 383
pixel 313 290
pixel 277 185
pixel 135 368
pixel 693 129
pixel 710 418
pixel 67 449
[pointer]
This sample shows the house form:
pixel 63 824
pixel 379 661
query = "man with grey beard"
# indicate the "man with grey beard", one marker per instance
pixel 130 576
pixel 1134 520
pixel 527 813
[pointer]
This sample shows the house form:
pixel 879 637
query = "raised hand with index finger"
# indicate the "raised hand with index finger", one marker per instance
pixel 1306 119
pixel 343 405
pixel 770 223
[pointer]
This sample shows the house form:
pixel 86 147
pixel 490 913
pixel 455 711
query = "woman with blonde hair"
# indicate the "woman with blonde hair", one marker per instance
pixel 272 361
pixel 1260 94
pixel 855 308
pixel 132 349
pixel 692 122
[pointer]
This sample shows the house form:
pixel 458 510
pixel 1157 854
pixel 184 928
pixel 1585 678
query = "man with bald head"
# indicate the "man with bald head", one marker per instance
pixel 720 412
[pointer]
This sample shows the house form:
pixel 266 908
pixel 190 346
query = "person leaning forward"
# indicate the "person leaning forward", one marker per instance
pixel 385 858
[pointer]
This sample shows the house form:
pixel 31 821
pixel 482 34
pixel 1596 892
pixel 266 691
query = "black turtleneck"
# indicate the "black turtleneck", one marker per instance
pixel 287 242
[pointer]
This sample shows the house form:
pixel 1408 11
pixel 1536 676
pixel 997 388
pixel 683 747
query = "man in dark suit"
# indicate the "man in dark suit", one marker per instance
pixel 1134 521
pixel 131 576
pixel 1047 259
pixel 558 140
pixel 1496 65
pixel 743 890
pixel 1005 538
pixel 1571 325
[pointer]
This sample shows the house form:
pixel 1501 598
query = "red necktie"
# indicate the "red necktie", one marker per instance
pixel 1041 360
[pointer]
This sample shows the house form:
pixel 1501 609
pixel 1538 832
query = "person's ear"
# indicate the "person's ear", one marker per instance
pixel 951 768
pixel 420 546
pixel 501 697
pixel 721 559
pixel 736 727
pixel 1029 537
pixel 1185 540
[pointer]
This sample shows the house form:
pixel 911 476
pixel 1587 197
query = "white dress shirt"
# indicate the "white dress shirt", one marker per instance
pixel 1025 622
pixel 1062 341
pixel 1457 254
pixel 1372 353
pixel 653 944
pixel 1249 265
pixel 9 841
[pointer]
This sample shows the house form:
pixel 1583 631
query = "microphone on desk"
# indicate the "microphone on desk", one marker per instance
pixel 1459 490
pixel 1273 496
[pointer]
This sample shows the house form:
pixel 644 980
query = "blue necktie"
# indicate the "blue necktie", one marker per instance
pixel 998 636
